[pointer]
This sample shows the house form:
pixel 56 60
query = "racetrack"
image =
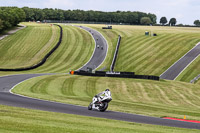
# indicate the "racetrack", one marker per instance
pixel 100 51
pixel 7 98
pixel 175 70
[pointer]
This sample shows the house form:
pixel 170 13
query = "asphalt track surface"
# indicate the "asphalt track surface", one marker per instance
pixel 175 70
pixel 100 52
pixel 7 98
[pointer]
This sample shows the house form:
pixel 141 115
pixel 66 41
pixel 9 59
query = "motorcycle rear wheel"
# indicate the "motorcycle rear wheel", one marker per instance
pixel 104 107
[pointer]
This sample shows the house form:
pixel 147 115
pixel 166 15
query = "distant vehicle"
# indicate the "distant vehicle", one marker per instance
pixel 101 47
pixel 97 46
pixel 108 27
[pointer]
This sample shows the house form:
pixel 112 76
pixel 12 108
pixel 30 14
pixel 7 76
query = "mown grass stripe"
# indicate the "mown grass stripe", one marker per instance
pixel 77 50
pixel 164 96
pixel 127 48
pixel 23 44
pixel 131 95
pixel 57 58
pixel 61 53
pixel 137 50
pixel 67 87
pixel 184 99
pixel 81 53
pixel 165 50
pixel 134 33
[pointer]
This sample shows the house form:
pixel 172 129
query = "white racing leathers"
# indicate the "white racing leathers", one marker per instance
pixel 102 96
pixel 100 101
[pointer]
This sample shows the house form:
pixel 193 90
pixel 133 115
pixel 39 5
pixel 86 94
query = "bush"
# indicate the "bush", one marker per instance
pixel 145 21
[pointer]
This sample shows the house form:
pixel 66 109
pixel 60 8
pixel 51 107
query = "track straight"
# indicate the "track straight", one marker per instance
pixel 178 67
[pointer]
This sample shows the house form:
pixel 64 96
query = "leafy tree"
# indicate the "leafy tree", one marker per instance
pixel 18 15
pixel 60 14
pixel 197 22
pixel 1 25
pixel 6 18
pixel 145 21
pixel 132 18
pixel 39 14
pixel 172 22
pixel 29 13
pixel 152 17
pixel 163 20
pixel 10 16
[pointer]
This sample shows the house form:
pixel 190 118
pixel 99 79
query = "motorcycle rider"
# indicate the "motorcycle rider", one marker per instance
pixel 101 96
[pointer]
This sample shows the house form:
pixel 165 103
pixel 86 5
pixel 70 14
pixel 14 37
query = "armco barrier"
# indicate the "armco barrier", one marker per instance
pixel 116 74
pixel 43 60
pixel 115 55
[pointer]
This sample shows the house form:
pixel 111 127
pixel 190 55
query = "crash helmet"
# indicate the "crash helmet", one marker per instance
pixel 107 90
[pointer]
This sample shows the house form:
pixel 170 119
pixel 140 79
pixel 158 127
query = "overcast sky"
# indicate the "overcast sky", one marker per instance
pixel 185 11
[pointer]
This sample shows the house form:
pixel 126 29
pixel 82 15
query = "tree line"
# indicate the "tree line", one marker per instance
pixel 173 21
pixel 35 14
pixel 10 16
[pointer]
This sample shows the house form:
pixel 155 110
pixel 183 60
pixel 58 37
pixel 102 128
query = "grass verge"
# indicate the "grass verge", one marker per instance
pixel 192 71
pixel 15 120
pixel 153 98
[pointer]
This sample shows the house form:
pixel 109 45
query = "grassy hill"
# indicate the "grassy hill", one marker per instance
pixel 75 50
pixel 139 53
pixel 27 46
pixel 154 98
pixel 147 54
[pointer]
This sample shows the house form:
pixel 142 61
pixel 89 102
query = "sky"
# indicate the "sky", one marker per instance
pixel 185 11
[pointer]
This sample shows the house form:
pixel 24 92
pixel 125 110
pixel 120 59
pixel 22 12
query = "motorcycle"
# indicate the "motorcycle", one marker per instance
pixel 101 105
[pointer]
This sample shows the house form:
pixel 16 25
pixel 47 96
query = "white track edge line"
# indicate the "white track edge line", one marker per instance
pixel 95 48
pixel 67 103
pixel 10 91
pixel 60 102
pixel 106 50
pixel 180 58
pixel 93 51
pixel 187 66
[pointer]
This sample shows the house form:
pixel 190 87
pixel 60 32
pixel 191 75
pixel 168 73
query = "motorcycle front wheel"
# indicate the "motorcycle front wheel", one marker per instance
pixel 90 106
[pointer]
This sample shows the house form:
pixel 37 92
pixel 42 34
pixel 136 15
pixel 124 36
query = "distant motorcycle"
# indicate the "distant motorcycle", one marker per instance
pixel 101 105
